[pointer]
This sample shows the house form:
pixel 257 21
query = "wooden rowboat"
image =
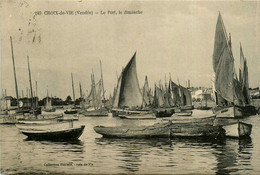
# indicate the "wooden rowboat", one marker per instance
pixel 57 135
pixel 156 130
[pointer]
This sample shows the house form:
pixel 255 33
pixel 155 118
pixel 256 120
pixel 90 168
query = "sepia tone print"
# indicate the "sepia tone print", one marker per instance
pixel 133 87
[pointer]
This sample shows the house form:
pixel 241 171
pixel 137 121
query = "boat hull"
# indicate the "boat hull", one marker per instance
pixel 95 113
pixel 184 113
pixel 156 130
pixel 195 121
pixel 234 111
pixel 124 112
pixel 204 108
pixel 238 130
pixel 139 117
pixel 71 112
pixel 188 130
pixel 58 135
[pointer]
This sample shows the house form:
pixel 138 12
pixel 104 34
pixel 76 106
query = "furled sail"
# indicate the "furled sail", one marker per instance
pixel 128 91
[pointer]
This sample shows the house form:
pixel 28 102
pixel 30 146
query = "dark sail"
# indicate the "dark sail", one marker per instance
pixel 128 92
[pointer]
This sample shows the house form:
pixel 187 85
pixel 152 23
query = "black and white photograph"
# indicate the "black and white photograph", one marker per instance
pixel 129 87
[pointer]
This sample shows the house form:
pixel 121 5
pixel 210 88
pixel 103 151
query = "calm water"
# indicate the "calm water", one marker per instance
pixel 94 154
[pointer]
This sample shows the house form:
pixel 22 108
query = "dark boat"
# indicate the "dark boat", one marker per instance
pixel 204 108
pixel 164 112
pixel 55 135
pixel 71 111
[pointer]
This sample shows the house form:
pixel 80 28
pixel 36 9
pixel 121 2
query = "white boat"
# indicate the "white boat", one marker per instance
pixel 238 130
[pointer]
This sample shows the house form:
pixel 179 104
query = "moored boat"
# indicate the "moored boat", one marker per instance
pixel 188 130
pixel 234 128
pixel 61 131
pixel 238 130
pixel 231 93
pixel 55 135
pixel 128 98
pixel 156 130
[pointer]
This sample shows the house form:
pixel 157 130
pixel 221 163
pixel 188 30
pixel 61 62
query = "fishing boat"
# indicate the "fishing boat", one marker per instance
pixel 234 128
pixel 161 103
pixel 96 103
pixel 128 98
pixel 232 96
pixel 63 131
pixel 156 130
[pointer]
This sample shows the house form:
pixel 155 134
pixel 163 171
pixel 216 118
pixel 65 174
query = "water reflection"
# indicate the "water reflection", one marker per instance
pixel 233 156
pixel 132 152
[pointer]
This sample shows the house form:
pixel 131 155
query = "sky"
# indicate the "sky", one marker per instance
pixel 175 37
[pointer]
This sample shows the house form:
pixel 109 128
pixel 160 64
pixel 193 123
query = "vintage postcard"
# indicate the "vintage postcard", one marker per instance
pixel 130 87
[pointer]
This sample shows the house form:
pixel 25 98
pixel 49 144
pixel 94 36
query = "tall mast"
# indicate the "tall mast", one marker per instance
pixel 80 90
pixel 102 81
pixel 73 88
pixel 36 94
pixel 16 86
pixel 94 89
pixel 30 80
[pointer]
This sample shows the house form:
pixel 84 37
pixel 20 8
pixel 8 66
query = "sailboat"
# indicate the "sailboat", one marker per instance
pixel 232 98
pixel 161 104
pixel 181 97
pixel 128 98
pixel 96 102
pixel 48 105
pixel 72 110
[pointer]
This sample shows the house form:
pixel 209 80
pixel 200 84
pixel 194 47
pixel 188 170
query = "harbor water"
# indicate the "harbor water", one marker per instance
pixel 92 154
